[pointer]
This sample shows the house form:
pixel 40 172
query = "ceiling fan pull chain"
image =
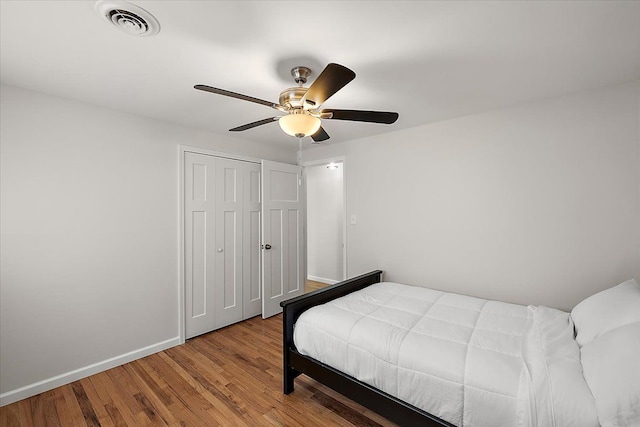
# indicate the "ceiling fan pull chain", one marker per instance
pixel 299 151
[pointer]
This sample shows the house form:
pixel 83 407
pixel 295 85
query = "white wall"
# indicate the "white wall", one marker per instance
pixel 325 212
pixel 89 236
pixel 535 204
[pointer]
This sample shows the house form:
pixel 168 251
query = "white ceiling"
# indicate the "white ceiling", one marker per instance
pixel 429 61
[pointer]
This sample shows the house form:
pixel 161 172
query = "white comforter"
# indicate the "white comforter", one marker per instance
pixel 469 361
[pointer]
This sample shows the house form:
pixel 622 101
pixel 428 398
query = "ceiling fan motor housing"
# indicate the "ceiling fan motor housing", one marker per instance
pixel 292 98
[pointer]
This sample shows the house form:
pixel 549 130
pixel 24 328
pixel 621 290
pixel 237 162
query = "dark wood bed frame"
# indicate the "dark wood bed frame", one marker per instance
pixel 295 363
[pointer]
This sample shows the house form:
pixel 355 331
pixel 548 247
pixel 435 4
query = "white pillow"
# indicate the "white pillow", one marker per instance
pixel 606 310
pixel 611 366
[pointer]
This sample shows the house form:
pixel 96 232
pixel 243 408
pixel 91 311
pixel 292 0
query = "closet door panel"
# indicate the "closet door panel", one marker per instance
pixel 199 235
pixel 252 218
pixel 293 252
pixel 228 253
pixel 283 222
pixel 232 281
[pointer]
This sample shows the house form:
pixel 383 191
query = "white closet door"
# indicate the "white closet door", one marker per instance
pixel 229 188
pixel 252 262
pixel 283 222
pixel 222 242
pixel 199 243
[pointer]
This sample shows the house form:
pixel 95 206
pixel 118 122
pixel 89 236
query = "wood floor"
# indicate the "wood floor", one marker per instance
pixel 229 377
pixel 311 285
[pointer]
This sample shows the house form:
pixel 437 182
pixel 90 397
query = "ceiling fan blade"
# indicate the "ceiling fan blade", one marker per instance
pixel 385 117
pixel 235 95
pixel 320 135
pixel 333 78
pixel 254 124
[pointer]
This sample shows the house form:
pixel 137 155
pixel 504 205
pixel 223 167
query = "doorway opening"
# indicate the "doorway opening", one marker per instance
pixel 326 226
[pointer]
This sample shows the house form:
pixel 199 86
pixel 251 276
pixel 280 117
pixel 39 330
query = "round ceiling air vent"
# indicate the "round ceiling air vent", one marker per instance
pixel 128 17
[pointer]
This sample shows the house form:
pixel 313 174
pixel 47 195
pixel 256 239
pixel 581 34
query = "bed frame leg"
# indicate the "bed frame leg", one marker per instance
pixel 289 376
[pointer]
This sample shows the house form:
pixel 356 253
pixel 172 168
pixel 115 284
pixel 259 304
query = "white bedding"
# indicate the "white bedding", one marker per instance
pixel 457 357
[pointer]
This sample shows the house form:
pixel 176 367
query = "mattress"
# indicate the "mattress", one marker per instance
pixel 457 357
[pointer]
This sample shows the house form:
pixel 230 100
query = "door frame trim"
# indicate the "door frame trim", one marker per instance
pixel 182 149
pixel 336 159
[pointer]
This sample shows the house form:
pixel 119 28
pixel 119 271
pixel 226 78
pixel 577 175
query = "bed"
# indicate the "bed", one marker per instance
pixel 419 356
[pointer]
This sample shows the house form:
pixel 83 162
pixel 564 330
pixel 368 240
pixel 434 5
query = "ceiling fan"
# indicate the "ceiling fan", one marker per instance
pixel 301 104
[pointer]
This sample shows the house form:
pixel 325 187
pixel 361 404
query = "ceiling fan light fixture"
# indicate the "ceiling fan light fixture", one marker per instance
pixel 299 125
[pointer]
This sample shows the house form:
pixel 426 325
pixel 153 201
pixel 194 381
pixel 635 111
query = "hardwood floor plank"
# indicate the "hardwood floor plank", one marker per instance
pixel 9 416
pixel 229 377
pixel 126 401
pixel 149 410
pixel 26 414
pixel 217 393
pixel 158 381
pixel 342 410
pixel 312 285
pixel 69 410
pixel 98 390
pixel 88 413
pixel 50 412
pixel 37 410
pixel 103 387
pixel 224 409
pixel 4 415
pixel 314 388
pixel 184 395
pixel 176 406
pixel 155 395
pixel 115 416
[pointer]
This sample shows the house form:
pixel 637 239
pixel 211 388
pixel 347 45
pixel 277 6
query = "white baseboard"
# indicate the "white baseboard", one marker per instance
pixel 323 280
pixel 69 377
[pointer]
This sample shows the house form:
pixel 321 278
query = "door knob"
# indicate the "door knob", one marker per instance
pixel 267 246
pixel 220 249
